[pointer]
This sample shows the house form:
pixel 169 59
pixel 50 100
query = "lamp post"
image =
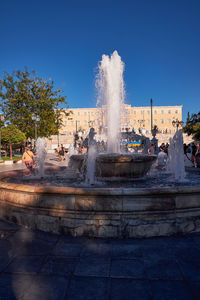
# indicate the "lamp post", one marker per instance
pixel 91 123
pixel 151 101
pixel 176 123
pixel 36 119
pixel 1 120
pixel 57 126
pixel 198 117
pixel 142 124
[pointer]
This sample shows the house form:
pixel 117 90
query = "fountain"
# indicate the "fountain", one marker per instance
pixel 41 153
pixel 116 206
pixel 176 157
pixel 113 165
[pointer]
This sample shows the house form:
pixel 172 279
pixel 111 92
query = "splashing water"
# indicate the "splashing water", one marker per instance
pixel 91 163
pixel 71 150
pixel 175 163
pixel 41 152
pixel 110 85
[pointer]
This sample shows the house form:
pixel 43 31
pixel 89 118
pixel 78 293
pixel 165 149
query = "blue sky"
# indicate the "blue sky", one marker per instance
pixel 158 40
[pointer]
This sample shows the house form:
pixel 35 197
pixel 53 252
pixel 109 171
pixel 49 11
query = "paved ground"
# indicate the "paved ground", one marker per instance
pixel 51 159
pixel 38 265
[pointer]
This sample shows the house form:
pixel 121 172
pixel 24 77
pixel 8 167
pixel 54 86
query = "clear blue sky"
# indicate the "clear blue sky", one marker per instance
pixel 158 40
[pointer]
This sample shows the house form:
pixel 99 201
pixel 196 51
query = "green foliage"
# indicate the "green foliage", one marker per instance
pixel 23 93
pixel 192 126
pixel 11 135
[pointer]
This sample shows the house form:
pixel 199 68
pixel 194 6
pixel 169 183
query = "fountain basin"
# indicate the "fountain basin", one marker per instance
pixel 102 212
pixel 114 165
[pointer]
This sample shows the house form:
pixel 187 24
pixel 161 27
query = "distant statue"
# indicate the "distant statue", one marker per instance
pixel 91 140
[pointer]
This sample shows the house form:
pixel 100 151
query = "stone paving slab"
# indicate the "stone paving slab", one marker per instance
pixel 37 265
pixel 171 290
pixel 126 268
pixel 130 289
pixel 59 265
pixel 82 288
pixel 93 266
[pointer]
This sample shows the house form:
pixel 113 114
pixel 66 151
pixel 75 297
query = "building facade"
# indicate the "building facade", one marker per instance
pixel 137 118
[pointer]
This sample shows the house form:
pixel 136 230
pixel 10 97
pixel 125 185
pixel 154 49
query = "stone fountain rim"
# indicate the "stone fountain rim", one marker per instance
pixel 91 190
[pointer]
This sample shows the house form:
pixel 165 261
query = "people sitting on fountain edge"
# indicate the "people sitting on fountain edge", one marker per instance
pixel 27 158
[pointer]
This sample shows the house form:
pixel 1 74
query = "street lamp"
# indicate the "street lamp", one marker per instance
pixel 91 123
pixel 141 122
pixel 36 119
pixel 1 120
pixel 176 123
pixel 198 117
pixel 151 102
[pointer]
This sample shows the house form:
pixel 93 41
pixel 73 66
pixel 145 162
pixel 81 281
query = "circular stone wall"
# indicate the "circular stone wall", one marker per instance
pixel 102 212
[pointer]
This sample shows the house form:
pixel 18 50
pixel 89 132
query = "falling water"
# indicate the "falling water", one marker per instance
pixel 176 157
pixel 91 163
pixel 71 150
pixel 110 86
pixel 41 153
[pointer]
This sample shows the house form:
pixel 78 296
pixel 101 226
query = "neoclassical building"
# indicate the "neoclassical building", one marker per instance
pixel 82 119
pixel 139 118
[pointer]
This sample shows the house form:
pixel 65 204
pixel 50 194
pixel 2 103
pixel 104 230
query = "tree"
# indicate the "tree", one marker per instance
pixel 23 93
pixel 11 135
pixel 193 126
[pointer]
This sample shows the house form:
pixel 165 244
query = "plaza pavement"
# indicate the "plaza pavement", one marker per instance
pixel 37 265
pixel 41 266
pixel 51 159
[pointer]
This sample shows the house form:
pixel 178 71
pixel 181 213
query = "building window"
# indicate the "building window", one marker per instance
pixel 148 121
pixel 79 113
pixel 162 112
pixel 85 122
pixel 148 112
pixel 142 111
pixel 85 113
pixel 169 111
pixel 134 112
pixel 169 121
pixel 65 123
pixel 176 111
pixel 155 112
pixel 155 121
pixel 162 121
pixel 92 113
pixel 72 122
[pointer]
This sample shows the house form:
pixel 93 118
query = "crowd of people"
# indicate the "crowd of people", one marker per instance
pixel 192 153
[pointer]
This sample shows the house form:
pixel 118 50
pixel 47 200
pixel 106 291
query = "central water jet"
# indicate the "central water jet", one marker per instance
pixel 114 164
pixel 110 86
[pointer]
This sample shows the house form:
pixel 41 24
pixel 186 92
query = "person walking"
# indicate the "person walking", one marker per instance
pixel 62 152
pixel 152 149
